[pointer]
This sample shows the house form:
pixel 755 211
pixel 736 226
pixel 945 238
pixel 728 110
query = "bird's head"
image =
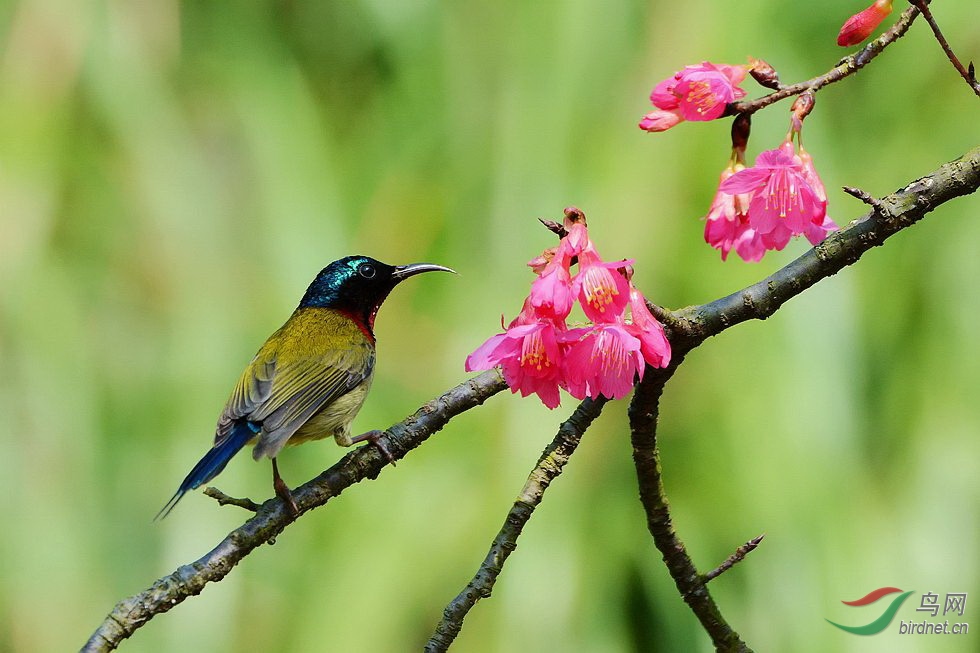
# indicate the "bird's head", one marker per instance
pixel 357 285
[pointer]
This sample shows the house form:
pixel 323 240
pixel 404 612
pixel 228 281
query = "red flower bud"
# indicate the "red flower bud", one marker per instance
pixel 859 26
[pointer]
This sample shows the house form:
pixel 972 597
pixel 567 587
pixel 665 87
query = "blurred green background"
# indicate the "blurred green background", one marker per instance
pixel 172 176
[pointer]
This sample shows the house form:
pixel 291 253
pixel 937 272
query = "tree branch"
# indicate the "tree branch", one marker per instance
pixel 734 558
pixel 225 500
pixel 643 412
pixel 847 67
pixel 687 327
pixel 549 466
pixel 897 211
pixel 272 518
pixel 968 75
pixel 692 326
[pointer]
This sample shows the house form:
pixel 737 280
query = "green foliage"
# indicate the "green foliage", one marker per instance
pixel 172 175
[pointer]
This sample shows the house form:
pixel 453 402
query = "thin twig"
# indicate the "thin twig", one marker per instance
pixel 548 468
pixel 225 500
pixel 733 559
pixel 864 196
pixel 847 67
pixel 968 75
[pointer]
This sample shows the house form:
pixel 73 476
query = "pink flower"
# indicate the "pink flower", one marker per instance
pixel 727 223
pixel 695 93
pixel 576 241
pixel 817 230
pixel 783 199
pixel 810 174
pixel 551 293
pixel 660 120
pixel 538 354
pixel 859 26
pixel 653 341
pixel 540 262
pixel 530 357
pixel 750 246
pixel 603 360
pixel 761 208
pixel 602 291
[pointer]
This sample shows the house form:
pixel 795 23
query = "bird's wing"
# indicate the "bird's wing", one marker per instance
pixel 309 363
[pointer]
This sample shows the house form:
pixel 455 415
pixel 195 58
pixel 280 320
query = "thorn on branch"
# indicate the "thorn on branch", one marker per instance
pixel 554 227
pixel 225 500
pixel 733 559
pixel 865 197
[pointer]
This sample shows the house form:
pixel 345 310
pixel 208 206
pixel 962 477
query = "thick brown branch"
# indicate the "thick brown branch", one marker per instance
pixel 272 517
pixel 847 67
pixel 547 469
pixel 690 327
pixel 643 413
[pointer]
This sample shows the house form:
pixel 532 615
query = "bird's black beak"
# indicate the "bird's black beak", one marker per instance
pixel 405 271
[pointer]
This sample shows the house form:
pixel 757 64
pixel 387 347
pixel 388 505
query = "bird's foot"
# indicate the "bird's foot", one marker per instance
pixel 374 437
pixel 282 490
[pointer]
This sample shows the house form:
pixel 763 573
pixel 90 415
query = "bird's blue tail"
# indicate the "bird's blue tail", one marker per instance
pixel 212 463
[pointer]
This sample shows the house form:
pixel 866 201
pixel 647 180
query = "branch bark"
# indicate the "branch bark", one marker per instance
pixel 643 413
pixel 272 517
pixel 847 67
pixel 688 328
pixel 549 466
pixel 895 212
pixel 969 74
pixel 692 326
pixel 734 558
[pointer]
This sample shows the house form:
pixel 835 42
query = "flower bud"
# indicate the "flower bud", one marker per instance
pixel 763 73
pixel 803 105
pixel 859 26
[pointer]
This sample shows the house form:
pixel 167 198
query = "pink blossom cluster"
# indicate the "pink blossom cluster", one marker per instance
pixel 760 208
pixel 539 353
pixel 695 93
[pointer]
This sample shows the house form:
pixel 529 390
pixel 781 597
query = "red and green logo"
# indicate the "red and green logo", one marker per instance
pixel 886 617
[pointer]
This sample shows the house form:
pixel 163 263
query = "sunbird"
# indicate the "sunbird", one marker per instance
pixel 310 378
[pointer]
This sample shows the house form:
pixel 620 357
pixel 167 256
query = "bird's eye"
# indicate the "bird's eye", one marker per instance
pixel 366 270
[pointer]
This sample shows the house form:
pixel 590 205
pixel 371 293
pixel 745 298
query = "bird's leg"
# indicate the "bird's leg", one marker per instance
pixel 282 490
pixel 374 437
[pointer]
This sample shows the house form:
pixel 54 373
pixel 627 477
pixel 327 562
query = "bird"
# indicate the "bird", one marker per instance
pixel 310 378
